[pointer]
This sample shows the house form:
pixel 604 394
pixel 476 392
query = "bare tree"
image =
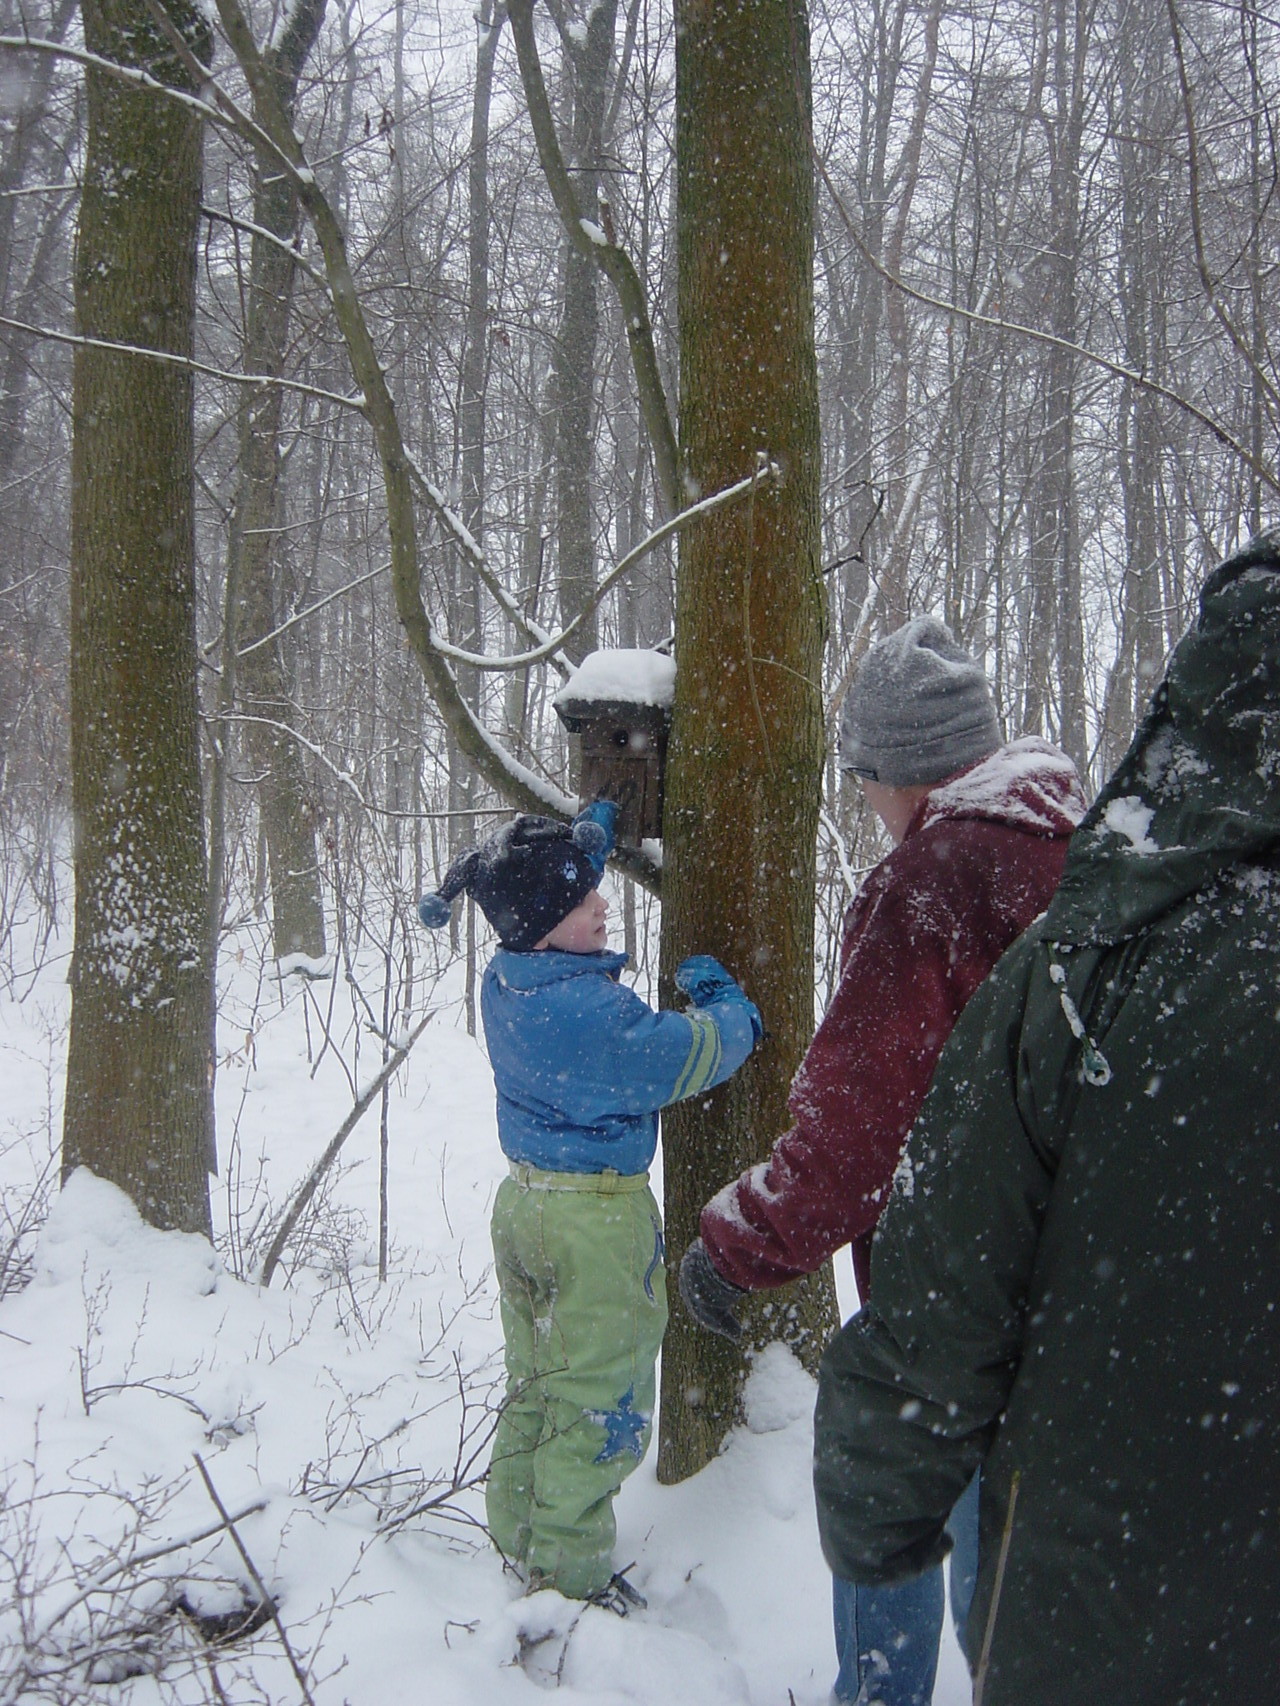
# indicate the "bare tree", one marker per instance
pixel 138 1069
pixel 254 673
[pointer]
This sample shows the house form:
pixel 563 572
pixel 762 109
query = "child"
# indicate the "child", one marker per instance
pixel 581 1065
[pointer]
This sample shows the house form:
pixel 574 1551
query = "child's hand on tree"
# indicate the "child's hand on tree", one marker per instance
pixel 705 981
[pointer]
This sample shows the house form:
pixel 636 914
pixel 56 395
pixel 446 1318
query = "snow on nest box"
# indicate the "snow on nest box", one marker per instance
pixel 618 703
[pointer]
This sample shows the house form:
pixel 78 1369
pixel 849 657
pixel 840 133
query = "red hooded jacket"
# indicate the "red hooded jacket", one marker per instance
pixel 980 859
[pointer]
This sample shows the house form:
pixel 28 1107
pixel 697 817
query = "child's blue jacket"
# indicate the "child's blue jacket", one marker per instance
pixel 582 1064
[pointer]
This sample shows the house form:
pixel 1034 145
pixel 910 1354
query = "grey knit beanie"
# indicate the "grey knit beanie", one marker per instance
pixel 919 709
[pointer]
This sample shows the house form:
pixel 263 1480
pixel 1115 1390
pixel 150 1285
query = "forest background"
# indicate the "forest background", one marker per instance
pixel 1046 437
pixel 1044 271
pixel 1045 279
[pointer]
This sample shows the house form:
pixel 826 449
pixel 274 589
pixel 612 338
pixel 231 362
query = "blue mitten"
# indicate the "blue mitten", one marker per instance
pixel 705 981
pixel 593 831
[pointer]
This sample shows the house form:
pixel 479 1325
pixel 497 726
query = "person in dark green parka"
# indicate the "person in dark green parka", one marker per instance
pixel 1076 1282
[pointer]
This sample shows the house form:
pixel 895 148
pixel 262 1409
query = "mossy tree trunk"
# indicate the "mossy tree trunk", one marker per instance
pixel 137 1102
pixel 746 752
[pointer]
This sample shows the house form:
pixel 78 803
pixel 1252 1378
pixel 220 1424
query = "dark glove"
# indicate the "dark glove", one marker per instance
pixel 705 981
pixel 594 829
pixel 708 1296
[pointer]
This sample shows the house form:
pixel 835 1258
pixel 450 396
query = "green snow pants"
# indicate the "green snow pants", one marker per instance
pixel 583 1290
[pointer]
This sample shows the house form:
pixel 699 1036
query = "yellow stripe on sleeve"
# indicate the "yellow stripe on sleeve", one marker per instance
pixel 705 1056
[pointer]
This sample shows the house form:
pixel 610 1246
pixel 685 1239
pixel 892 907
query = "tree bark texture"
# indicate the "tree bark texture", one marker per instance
pixel 137 1103
pixel 747 741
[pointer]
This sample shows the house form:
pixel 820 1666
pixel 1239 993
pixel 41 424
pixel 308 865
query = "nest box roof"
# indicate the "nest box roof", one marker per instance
pixel 619 677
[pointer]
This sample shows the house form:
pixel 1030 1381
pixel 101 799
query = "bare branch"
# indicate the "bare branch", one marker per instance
pixel 729 494
pixel 267 1599
pixel 335 1143
pixel 320 603
pixel 256 381
pixel 1267 475
pixel 590 239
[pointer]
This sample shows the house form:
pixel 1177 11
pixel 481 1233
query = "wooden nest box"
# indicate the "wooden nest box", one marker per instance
pixel 618 703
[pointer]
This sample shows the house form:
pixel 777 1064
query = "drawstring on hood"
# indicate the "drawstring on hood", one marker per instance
pixel 1097 1069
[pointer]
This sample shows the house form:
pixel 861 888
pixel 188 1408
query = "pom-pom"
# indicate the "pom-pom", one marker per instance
pixel 590 836
pixel 433 910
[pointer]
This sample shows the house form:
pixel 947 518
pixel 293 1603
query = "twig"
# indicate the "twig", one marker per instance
pixel 215 1681
pixel 336 1142
pixel 267 1599
pixel 102 1578
pixel 847 872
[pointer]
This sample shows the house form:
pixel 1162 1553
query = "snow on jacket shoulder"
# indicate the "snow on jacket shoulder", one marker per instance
pixel 979 861
pixel 582 1064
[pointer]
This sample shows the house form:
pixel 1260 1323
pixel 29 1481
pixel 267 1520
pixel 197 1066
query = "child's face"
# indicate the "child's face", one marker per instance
pixel 582 931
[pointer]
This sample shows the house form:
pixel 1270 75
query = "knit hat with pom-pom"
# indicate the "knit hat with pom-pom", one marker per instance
pixel 526 877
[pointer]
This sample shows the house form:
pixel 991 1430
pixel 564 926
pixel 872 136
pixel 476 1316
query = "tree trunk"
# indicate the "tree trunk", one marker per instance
pixel 746 753
pixel 259 679
pixel 137 1103
pixel 1143 79
pixel 575 353
pixel 1057 614
pixel 464 783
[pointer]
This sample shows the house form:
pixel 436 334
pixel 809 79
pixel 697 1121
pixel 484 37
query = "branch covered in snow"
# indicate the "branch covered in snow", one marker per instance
pixel 286 247
pixel 767 470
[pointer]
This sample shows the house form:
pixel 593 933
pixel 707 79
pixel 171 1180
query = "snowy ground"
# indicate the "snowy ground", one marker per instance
pixel 339 1422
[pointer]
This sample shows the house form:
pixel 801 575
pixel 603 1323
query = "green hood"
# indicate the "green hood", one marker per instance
pixel 1199 789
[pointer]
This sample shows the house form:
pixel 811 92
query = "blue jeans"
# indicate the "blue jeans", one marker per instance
pixel 887 1637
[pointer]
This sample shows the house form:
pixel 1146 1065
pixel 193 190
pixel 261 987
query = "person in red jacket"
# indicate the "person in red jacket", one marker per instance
pixel 980 832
